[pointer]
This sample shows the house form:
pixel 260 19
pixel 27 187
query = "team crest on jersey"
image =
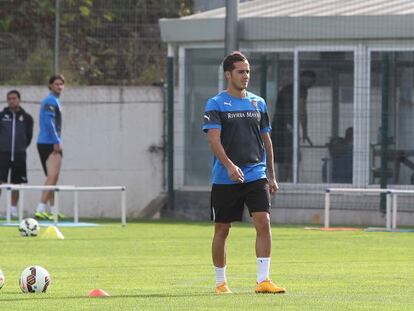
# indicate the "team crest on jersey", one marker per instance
pixel 254 103
pixel 21 118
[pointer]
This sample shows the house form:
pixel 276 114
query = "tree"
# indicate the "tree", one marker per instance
pixel 102 42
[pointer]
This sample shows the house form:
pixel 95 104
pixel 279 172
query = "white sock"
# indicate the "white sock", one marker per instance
pixel 220 275
pixel 13 210
pixel 263 267
pixel 41 207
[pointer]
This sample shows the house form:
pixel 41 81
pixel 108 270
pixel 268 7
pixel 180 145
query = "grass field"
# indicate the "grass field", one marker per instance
pixel 167 266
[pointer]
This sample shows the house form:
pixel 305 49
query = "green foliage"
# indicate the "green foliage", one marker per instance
pixel 37 68
pixel 167 266
pixel 25 36
pixel 101 42
pixel 121 43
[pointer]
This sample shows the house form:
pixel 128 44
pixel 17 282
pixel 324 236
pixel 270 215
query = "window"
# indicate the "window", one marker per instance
pixel 392 93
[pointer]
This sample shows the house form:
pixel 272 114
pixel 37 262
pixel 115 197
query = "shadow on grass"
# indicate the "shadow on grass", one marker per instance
pixel 171 221
pixel 133 296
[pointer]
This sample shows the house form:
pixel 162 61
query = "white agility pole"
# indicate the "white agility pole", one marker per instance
pixel 388 193
pixel 388 211
pixel 8 204
pixel 327 208
pixel 75 207
pixel 394 211
pixel 123 207
pixel 56 208
pixel 21 205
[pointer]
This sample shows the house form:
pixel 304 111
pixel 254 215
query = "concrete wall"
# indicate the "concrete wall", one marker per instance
pixel 300 204
pixel 107 137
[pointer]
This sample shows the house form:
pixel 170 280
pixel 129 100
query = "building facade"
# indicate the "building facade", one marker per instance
pixel 362 57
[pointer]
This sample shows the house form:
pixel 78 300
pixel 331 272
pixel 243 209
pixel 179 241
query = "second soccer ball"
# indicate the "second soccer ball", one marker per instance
pixel 29 227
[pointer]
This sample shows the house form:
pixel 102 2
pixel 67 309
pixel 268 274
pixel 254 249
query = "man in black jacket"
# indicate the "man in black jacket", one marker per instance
pixel 16 131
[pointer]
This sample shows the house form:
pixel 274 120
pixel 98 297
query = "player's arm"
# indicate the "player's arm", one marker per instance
pixel 273 186
pixel 29 129
pixel 303 118
pixel 234 172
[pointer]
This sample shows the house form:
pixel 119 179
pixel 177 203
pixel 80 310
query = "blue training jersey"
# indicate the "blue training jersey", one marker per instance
pixel 242 122
pixel 50 121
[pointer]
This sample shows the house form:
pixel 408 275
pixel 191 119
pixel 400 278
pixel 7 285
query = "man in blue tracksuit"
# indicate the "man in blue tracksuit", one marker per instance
pixel 16 130
pixel 237 125
pixel 49 141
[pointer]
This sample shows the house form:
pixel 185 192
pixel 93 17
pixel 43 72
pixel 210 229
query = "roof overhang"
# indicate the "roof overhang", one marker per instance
pixel 291 28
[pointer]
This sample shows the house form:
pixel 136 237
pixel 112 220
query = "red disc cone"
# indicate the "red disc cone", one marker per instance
pixel 97 292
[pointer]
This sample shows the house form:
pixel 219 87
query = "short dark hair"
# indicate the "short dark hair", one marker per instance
pixel 233 57
pixel 56 77
pixel 13 92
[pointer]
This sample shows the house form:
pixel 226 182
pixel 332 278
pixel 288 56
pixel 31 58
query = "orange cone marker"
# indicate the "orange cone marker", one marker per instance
pixel 97 292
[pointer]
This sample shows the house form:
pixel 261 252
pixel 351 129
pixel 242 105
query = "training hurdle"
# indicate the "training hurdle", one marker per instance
pixel 391 202
pixel 56 189
pixel 394 198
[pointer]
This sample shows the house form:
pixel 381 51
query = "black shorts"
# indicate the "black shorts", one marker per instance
pixel 227 201
pixel 17 168
pixel 45 150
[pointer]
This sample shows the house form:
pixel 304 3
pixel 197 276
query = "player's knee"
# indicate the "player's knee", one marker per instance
pixel 222 230
pixel 262 222
pixel 53 178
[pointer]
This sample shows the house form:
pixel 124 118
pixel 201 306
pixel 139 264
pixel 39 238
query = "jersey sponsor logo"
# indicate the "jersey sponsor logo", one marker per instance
pixel 246 114
pixel 232 115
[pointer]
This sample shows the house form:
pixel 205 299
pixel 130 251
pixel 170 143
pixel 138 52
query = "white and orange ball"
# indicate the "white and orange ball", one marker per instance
pixel 34 279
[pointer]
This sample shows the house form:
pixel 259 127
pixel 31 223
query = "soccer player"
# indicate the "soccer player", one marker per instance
pixel 237 125
pixel 16 130
pixel 49 141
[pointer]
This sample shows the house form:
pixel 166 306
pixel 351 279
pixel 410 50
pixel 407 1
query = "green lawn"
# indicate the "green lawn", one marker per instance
pixel 167 266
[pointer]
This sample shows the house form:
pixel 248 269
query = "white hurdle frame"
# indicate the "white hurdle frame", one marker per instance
pixel 394 193
pixel 56 189
pixel 389 203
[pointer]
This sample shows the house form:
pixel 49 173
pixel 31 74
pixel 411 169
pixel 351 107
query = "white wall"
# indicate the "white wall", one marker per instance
pixel 107 132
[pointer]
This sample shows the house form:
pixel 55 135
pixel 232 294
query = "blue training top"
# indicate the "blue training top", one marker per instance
pixel 50 120
pixel 242 122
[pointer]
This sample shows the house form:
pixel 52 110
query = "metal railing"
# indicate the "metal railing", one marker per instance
pixel 56 189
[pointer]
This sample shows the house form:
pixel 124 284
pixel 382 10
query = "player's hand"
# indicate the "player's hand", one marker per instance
pixel 273 186
pixel 235 174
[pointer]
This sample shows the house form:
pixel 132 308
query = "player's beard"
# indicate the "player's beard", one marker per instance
pixel 240 86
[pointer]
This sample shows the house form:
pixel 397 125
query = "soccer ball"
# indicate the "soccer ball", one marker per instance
pixel 34 279
pixel 1 279
pixel 29 227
